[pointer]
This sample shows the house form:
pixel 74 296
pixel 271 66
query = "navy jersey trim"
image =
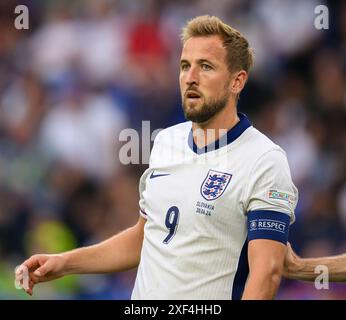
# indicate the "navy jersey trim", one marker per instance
pixel 143 212
pixel 266 224
pixel 231 136
pixel 241 274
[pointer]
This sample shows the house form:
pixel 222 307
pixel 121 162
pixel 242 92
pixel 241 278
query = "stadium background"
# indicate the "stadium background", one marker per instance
pixel 87 69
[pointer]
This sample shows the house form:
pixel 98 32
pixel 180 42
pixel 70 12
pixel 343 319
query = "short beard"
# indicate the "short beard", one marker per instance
pixel 208 110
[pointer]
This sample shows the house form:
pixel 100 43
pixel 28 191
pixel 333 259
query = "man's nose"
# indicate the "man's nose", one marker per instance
pixel 192 76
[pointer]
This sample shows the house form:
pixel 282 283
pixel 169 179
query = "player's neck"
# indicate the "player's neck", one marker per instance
pixel 212 130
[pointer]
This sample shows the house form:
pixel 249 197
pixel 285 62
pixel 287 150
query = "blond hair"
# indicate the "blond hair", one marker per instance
pixel 239 54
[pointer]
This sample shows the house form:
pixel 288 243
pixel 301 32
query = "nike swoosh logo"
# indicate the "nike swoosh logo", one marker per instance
pixel 153 176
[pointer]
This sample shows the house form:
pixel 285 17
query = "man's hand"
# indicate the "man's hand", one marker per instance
pixel 41 268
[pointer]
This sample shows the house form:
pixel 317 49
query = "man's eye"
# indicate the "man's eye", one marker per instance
pixel 205 67
pixel 184 67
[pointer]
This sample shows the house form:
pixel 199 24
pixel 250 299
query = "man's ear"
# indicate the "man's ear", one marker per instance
pixel 239 79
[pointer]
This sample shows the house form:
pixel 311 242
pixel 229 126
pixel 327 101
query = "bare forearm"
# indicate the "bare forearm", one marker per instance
pixel 305 269
pixel 266 261
pixel 118 253
pixel 261 287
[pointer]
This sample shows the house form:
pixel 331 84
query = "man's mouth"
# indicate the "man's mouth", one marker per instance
pixel 192 95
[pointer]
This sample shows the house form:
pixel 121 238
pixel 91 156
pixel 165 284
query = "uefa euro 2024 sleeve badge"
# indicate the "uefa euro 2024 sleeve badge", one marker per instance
pixel 215 184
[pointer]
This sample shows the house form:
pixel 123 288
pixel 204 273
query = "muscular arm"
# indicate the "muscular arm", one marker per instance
pixel 118 253
pixel 304 268
pixel 266 259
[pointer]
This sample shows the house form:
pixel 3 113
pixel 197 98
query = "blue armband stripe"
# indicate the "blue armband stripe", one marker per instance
pixel 266 224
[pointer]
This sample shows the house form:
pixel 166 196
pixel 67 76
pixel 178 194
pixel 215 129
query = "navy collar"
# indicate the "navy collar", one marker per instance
pixel 231 135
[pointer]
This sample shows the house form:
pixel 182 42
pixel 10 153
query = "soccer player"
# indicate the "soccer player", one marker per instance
pixel 299 268
pixel 217 200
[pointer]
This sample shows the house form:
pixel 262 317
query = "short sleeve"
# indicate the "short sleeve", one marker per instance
pixel 271 198
pixel 142 203
pixel 270 185
pixel 142 182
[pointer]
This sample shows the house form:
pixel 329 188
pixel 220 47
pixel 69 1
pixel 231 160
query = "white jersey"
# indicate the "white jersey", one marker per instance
pixel 203 206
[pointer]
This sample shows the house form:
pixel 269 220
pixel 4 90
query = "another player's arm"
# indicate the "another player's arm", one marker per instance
pixel 299 268
pixel 266 259
pixel 118 253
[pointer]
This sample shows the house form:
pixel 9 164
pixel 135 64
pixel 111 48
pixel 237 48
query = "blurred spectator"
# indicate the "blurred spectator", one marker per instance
pixel 82 132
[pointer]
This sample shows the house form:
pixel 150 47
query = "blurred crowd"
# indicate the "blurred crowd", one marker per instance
pixel 87 69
